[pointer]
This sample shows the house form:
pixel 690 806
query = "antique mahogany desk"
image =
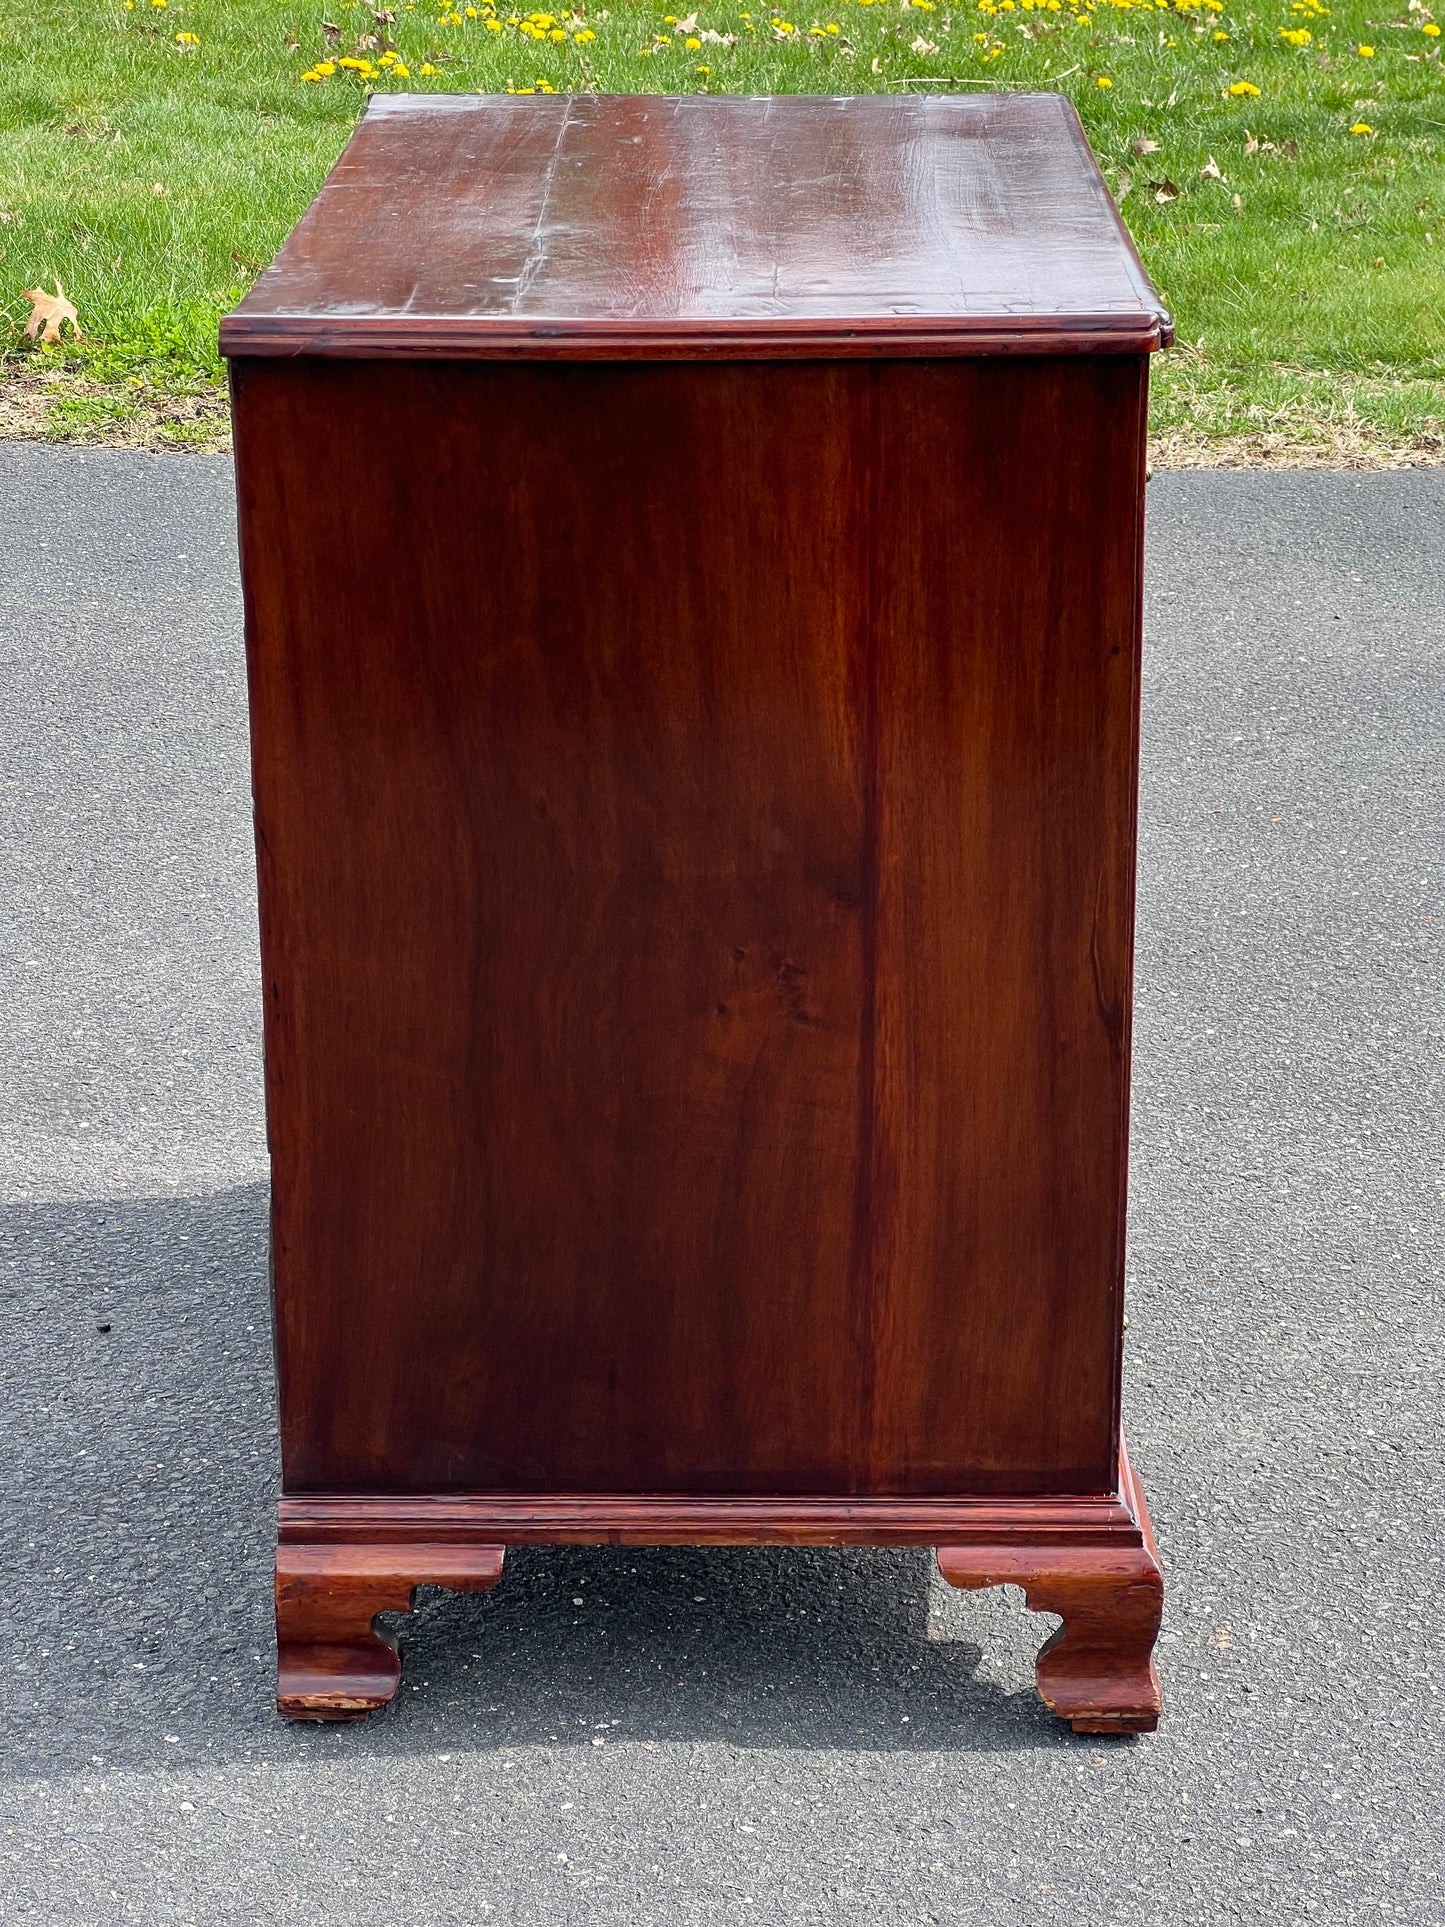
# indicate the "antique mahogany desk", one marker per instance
pixel 692 556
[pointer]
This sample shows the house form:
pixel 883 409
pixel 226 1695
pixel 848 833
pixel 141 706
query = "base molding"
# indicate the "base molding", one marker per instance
pixel 343 1558
pixel 646 1520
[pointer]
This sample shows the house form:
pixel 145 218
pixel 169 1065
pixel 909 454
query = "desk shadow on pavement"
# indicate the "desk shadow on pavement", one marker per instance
pixel 135 1608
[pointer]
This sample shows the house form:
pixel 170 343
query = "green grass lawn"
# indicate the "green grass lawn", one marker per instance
pixel 1282 168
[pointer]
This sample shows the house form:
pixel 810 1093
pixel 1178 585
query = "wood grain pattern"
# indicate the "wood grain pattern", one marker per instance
pixel 695 815
pixel 587 225
pixel 692 555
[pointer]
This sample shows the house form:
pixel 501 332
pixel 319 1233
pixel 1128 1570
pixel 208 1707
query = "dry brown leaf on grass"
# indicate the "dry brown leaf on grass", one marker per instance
pixel 48 312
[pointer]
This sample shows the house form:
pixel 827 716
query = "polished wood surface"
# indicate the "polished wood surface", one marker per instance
pixel 641 225
pixel 695 823
pixel 695 813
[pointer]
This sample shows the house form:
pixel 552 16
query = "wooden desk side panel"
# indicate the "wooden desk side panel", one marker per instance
pixel 695 831
pixel 1006 693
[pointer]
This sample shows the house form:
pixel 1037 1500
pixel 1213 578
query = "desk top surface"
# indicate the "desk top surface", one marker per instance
pixel 640 226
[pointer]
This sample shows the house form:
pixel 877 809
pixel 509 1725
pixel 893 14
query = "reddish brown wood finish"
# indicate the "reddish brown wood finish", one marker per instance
pixel 641 226
pixel 621 1519
pixel 695 823
pixel 342 1559
pixel 332 1662
pixel 695 817
pixel 1097 1671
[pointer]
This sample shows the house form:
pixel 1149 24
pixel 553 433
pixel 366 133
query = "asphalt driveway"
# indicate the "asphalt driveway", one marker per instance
pixel 764 1736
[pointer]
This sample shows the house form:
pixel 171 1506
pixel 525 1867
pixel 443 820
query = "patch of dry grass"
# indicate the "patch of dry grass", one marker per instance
pixel 46 400
pixel 1279 449
pixel 43 401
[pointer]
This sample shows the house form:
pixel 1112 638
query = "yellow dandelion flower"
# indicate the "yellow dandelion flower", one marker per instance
pixel 1365 53
pixel 311 74
pixel 583 37
pixel 188 40
pixel 704 70
pixel 326 68
pixel 784 27
pixel 401 70
pixel 1362 127
pixel 495 26
pixel 1103 81
pixel 1430 28
pixel 159 5
pixel 1297 36
pixel 1221 36
pixel 1244 90
pixel 692 44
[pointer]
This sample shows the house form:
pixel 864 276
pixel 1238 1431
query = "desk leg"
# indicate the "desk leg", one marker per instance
pixel 1097 1671
pixel 332 1663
